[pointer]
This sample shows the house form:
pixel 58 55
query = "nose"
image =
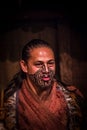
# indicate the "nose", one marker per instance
pixel 45 68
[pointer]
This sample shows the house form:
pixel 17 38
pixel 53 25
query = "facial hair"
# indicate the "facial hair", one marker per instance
pixel 39 83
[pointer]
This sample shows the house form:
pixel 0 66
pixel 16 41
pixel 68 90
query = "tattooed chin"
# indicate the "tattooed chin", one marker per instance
pixel 42 80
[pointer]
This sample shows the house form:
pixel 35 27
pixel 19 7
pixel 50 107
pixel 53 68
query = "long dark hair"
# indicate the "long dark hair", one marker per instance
pixel 16 82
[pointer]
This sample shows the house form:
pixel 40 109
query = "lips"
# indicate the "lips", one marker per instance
pixel 46 78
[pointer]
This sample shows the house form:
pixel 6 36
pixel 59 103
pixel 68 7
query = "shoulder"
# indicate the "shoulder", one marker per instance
pixel 74 90
pixel 10 111
pixel 70 88
pixel 76 95
pixel 11 100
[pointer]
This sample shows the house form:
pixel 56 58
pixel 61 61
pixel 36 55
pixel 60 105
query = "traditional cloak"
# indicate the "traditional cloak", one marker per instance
pixel 61 109
pixel 50 113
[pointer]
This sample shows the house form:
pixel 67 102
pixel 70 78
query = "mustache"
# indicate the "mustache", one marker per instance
pixel 48 75
pixel 45 75
pixel 40 74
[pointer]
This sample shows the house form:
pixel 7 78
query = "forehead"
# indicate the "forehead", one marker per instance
pixel 42 52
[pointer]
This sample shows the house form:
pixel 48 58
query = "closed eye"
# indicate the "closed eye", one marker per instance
pixel 39 64
pixel 52 62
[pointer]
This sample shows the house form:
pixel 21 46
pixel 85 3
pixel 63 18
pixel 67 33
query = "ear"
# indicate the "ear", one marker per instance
pixel 23 66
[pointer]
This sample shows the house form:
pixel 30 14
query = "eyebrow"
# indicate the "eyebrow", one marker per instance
pixel 47 61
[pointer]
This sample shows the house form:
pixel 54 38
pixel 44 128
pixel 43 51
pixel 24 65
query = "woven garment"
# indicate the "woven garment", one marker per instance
pixel 25 109
pixel 47 114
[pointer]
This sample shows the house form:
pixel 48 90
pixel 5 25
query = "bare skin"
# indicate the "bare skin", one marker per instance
pixel 40 68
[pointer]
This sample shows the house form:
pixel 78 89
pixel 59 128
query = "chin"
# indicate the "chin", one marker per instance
pixel 45 86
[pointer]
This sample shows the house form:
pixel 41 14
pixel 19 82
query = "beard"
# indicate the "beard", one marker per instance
pixel 38 81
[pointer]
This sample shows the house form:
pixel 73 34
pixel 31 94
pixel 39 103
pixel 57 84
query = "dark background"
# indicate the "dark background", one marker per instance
pixel 16 14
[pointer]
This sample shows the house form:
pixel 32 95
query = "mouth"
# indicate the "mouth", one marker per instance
pixel 46 78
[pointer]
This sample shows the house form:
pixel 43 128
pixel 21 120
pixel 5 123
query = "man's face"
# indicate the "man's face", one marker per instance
pixel 41 67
